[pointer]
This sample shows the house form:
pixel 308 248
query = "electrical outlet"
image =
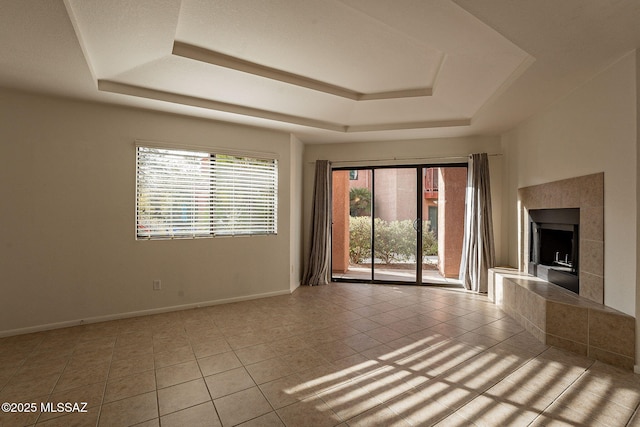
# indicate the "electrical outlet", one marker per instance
pixel 157 285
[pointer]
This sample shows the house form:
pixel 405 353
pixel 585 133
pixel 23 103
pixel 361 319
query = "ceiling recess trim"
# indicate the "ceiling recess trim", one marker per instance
pixel 176 98
pixel 427 124
pixel 201 54
pixel 148 93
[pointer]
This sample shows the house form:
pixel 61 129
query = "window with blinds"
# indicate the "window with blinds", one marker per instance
pixel 190 194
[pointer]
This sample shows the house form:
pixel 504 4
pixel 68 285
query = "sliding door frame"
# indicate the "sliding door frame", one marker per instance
pixel 419 214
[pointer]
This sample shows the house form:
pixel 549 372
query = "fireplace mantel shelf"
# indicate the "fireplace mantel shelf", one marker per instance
pixel 563 319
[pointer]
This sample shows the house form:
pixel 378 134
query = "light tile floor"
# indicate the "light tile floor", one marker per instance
pixel 342 354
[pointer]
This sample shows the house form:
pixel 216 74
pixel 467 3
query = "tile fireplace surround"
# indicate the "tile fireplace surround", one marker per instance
pixel 556 316
pixel 586 193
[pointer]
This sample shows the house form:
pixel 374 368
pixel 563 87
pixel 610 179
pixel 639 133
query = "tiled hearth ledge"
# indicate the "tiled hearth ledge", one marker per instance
pixel 561 318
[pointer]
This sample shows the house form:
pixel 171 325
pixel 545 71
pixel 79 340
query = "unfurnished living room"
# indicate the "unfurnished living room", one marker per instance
pixel 319 213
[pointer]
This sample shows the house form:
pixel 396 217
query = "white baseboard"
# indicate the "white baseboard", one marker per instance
pixel 293 286
pixel 106 318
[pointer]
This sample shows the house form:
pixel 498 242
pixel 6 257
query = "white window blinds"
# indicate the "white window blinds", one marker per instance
pixel 189 194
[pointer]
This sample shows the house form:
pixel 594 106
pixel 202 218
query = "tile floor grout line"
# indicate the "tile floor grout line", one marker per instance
pixel 563 392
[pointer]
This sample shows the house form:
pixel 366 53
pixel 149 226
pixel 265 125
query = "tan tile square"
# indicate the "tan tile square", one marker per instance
pixel 269 370
pixel 379 416
pixel 444 394
pixel 210 347
pixel 487 412
pixel 592 287
pixel 204 334
pixel 334 350
pixel 256 353
pixel 319 379
pixel 406 327
pixel 218 363
pixel 95 343
pixel 384 334
pixel 442 315
pixel 384 318
pixel 513 394
pixel 351 399
pixel 20 419
pixel 303 359
pixel 624 395
pixel 389 382
pixel 448 330
pixel 76 419
pixel 242 406
pixel 288 345
pixel 246 340
pixel 91 394
pixel 151 423
pixel 361 342
pixel 592 257
pixel 132 351
pixel 287 390
pixel 181 396
pixel 364 324
pixel 557 414
pixel 170 343
pixel 268 420
pixel 176 374
pixel 228 382
pixel 382 352
pixel 341 330
pixel 613 332
pixel 134 339
pixel 129 411
pixel 310 412
pixel 477 340
pixel 88 360
pixel 203 415
pixel 30 370
pixel 277 333
pixel 174 356
pixel 23 390
pixel 603 410
pixel 121 387
pixel 355 365
pixel 124 367
pixel 635 420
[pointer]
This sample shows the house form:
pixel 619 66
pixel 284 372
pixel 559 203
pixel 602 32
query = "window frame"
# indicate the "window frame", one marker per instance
pixel 245 215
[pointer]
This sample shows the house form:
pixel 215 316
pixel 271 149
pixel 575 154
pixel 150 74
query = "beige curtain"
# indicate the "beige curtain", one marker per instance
pixel 478 251
pixel 319 262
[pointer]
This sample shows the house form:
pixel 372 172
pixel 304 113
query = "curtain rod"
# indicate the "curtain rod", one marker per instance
pixel 408 158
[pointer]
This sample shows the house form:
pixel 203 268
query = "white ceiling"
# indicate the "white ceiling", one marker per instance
pixel 325 70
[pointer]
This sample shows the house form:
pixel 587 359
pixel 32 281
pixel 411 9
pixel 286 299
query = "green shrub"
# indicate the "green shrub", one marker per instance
pixel 395 240
pixel 429 241
pixel 359 239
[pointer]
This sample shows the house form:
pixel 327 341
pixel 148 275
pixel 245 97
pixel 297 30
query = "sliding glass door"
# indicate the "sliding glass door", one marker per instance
pixel 395 221
pixel 398 224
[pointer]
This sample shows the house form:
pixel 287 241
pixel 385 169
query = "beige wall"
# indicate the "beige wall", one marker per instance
pixel 349 154
pixel 68 250
pixel 592 130
pixel 295 215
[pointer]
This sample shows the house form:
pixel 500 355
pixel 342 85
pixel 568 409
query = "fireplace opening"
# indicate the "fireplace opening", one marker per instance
pixel 554 246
